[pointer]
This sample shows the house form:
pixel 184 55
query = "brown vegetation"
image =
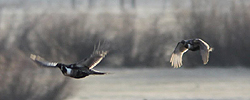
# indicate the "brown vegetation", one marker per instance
pixel 132 40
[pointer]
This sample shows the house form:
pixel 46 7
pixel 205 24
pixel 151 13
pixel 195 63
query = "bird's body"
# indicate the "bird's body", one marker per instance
pixel 193 45
pixel 80 69
pixel 77 71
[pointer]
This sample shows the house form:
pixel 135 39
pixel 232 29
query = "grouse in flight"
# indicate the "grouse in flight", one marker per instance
pixel 77 70
pixel 193 45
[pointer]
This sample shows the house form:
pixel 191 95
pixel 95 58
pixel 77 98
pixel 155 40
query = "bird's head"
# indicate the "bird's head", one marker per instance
pixel 184 43
pixel 61 66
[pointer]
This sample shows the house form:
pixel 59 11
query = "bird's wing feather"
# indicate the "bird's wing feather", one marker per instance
pixel 176 57
pixel 40 61
pixel 94 59
pixel 204 50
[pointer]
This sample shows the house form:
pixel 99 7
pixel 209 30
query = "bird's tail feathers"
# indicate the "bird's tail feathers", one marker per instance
pixel 94 72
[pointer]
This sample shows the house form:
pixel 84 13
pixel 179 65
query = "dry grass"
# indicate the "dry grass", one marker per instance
pixel 132 39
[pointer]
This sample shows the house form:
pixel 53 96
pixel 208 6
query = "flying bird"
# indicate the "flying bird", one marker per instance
pixel 193 45
pixel 77 70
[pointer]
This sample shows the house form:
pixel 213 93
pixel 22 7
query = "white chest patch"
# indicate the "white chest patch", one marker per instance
pixel 68 70
pixel 189 46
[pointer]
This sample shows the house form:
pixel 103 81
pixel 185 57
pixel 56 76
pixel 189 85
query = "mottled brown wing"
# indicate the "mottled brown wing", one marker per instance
pixel 40 61
pixel 176 57
pixel 204 50
pixel 94 59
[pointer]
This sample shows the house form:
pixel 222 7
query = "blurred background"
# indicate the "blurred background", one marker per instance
pixel 138 34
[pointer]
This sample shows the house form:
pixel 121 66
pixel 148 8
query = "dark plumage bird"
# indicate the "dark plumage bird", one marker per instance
pixel 80 69
pixel 193 45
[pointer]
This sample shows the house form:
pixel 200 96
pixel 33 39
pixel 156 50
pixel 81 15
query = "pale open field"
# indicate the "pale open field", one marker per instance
pixel 166 84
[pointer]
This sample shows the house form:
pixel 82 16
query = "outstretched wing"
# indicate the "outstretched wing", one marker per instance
pixel 176 58
pixel 94 59
pixel 204 50
pixel 40 61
